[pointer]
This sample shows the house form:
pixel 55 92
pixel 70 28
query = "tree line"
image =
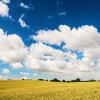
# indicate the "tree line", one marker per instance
pixel 75 80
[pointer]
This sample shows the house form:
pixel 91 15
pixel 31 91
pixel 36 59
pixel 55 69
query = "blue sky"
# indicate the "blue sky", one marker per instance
pixel 78 12
pixel 31 20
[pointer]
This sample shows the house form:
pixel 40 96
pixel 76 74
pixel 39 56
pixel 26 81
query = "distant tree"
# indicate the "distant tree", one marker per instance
pixel 77 80
pixel 41 79
pixel 63 81
pixel 55 80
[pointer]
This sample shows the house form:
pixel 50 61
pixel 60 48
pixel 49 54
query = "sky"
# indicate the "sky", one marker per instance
pixel 50 38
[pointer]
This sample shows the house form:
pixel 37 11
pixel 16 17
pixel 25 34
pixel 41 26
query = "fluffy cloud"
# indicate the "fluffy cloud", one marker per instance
pixel 85 39
pixel 22 22
pixel 81 38
pixel 4 9
pixel 43 57
pixel 5 71
pixel 12 49
pixel 4 74
pixel 6 1
pixel 17 65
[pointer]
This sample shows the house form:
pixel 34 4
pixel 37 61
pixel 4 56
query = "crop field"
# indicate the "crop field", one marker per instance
pixel 43 90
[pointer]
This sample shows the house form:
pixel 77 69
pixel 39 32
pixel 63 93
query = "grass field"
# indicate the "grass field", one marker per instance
pixel 42 90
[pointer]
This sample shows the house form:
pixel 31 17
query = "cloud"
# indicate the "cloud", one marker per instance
pixel 6 1
pixel 5 71
pixel 41 56
pixel 12 49
pixel 84 37
pixel 22 22
pixel 4 74
pixel 24 75
pixel 17 65
pixel 1 32
pixel 0 77
pixel 4 9
pixel 5 77
pixel 35 74
pixel 24 6
pixel 47 59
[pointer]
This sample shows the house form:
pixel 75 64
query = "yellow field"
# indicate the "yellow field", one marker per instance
pixel 42 90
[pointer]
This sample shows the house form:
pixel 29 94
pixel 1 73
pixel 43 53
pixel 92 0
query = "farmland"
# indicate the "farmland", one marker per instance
pixel 43 90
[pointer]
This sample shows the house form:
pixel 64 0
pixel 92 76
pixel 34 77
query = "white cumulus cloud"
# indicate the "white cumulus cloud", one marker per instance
pixel 12 49
pixel 85 39
pixel 4 9
pixel 43 57
pixel 5 71
pixel 6 1
pixel 80 38
pixel 17 65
